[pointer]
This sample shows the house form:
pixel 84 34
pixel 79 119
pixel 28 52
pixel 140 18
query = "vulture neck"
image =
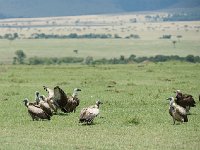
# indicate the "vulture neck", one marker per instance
pixel 26 103
pixel 37 98
pixel 75 94
pixel 97 105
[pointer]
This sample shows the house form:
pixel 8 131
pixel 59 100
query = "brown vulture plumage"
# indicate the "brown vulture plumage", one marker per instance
pixel 177 112
pixel 35 111
pixel 73 101
pixel 185 100
pixel 88 114
pixel 60 99
pixel 45 107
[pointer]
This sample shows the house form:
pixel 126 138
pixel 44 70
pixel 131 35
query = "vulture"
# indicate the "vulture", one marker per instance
pixel 177 112
pixel 88 114
pixel 37 97
pixel 185 100
pixel 50 92
pixel 35 111
pixel 45 106
pixel 50 102
pixel 60 99
pixel 73 101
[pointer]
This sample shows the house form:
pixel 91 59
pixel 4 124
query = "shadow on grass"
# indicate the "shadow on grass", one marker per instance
pixel 61 114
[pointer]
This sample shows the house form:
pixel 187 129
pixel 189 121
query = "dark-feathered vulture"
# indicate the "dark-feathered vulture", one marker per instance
pixel 73 101
pixel 185 100
pixel 177 112
pixel 35 111
pixel 88 114
pixel 60 98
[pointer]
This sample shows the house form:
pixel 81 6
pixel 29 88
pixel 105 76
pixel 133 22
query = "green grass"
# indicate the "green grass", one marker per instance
pixel 97 48
pixel 134 114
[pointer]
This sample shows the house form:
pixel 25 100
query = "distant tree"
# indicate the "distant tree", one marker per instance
pixel 20 57
pixel 116 36
pixel 179 37
pixel 174 43
pixel 89 60
pixel 132 57
pixel 75 51
pixel 190 58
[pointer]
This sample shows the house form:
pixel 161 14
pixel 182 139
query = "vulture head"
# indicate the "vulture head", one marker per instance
pixel 37 98
pixel 178 93
pixel 42 97
pixel 26 102
pixel 75 92
pixel 98 102
pixel 171 101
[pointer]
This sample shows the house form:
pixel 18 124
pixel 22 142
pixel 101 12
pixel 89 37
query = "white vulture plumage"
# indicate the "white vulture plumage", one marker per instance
pixel 177 112
pixel 35 111
pixel 50 92
pixel 49 99
pixel 88 114
pixel 73 101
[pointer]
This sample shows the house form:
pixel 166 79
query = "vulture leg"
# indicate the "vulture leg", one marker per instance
pixel 174 121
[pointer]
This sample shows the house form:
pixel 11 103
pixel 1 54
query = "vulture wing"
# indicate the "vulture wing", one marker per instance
pixel 46 108
pixel 50 92
pixel 190 100
pixel 37 112
pixel 60 98
pixel 182 112
pixel 86 116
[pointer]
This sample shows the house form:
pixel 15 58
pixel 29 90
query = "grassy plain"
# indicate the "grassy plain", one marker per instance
pixel 97 48
pixel 149 43
pixel 134 114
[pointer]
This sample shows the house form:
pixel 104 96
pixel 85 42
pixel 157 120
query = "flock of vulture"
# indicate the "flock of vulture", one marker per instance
pixel 44 107
pixel 179 106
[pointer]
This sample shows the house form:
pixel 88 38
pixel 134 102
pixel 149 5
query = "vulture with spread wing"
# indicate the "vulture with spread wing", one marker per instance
pixel 50 98
pixel 73 101
pixel 185 100
pixel 60 99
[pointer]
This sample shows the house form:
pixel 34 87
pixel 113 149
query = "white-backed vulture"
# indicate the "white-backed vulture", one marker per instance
pixel 35 111
pixel 45 107
pixel 50 102
pixel 60 99
pixel 177 112
pixel 185 100
pixel 88 114
pixel 73 101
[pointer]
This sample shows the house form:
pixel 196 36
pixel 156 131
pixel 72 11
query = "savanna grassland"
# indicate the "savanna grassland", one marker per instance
pixel 149 43
pixel 134 114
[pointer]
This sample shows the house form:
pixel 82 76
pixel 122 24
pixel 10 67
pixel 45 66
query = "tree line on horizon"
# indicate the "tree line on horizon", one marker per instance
pixel 20 58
